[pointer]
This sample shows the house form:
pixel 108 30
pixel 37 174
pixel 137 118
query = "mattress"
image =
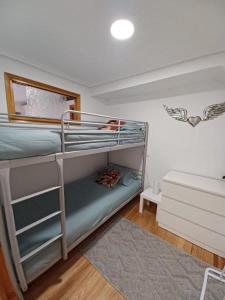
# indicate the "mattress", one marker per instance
pixel 87 204
pixel 22 142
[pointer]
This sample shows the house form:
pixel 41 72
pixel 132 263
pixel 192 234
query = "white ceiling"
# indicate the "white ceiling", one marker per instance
pixel 72 37
pixel 208 79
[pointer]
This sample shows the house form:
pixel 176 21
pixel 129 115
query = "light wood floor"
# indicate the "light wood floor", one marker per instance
pixel 78 279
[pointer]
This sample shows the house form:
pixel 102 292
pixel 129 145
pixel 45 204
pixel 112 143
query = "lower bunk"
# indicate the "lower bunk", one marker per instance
pixel 88 204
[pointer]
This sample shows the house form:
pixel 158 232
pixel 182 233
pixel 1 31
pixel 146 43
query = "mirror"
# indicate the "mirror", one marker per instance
pixel 30 100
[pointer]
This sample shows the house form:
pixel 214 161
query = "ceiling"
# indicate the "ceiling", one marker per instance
pixel 72 37
pixel 207 79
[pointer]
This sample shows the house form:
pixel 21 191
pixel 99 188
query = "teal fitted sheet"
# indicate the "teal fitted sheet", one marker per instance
pixel 87 204
pixel 22 142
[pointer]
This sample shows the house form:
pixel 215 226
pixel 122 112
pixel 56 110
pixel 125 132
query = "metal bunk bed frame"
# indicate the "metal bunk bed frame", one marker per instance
pixel 67 125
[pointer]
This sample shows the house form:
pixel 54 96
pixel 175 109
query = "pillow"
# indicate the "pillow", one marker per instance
pixel 128 175
pixel 109 177
pixel 127 179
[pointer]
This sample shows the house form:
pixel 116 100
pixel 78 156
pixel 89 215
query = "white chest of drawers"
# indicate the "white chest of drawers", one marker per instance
pixel 193 207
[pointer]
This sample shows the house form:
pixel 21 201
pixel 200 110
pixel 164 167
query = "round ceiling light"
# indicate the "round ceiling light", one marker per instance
pixel 122 29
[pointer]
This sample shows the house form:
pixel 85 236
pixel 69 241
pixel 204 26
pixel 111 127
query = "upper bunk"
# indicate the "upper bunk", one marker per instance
pixel 25 143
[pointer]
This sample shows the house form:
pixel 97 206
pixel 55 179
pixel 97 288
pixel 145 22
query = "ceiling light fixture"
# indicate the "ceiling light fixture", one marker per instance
pixel 122 29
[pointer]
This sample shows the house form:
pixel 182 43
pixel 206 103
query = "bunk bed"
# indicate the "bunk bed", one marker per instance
pixel 61 216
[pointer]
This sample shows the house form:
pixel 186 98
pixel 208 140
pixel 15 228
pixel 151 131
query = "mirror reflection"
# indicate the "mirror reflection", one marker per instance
pixel 29 100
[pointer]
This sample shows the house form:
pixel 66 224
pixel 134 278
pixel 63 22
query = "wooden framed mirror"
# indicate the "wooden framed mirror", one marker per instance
pixel 30 99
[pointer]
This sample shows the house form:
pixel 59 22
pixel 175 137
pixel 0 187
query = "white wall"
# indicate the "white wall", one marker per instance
pixel 88 103
pixel 176 145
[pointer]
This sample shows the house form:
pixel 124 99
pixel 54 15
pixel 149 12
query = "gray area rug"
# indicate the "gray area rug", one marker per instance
pixel 142 266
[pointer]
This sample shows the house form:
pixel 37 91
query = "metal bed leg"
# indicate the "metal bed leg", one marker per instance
pixel 59 162
pixel 7 199
pixel 144 157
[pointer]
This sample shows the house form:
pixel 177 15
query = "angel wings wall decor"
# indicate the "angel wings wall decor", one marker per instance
pixel 209 113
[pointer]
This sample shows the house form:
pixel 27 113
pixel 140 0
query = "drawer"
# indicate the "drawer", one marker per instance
pixel 198 235
pixel 193 214
pixel 206 201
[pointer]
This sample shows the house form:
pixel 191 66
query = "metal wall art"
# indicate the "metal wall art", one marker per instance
pixel 209 113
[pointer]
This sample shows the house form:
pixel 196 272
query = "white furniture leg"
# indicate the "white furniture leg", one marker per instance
pixel 218 275
pixel 149 196
pixel 141 205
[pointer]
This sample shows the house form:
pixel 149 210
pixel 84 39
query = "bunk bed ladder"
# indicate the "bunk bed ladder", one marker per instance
pixel 13 233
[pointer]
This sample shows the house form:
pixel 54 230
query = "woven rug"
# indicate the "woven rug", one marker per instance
pixel 142 266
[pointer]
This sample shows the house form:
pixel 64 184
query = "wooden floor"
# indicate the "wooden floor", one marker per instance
pixel 78 279
pixel 6 289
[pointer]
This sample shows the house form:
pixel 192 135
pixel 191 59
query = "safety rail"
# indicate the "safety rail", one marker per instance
pixel 136 128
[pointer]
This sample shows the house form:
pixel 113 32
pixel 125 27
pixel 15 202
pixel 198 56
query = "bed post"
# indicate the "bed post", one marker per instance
pixel 118 136
pixel 62 134
pixel 59 162
pixel 7 199
pixel 144 156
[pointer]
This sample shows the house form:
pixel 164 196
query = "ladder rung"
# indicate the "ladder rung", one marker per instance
pixel 46 244
pixel 35 194
pixel 38 222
